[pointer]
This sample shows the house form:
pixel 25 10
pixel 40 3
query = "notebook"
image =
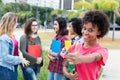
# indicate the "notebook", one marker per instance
pixel 71 67
pixel 56 46
pixel 67 44
pixel 34 50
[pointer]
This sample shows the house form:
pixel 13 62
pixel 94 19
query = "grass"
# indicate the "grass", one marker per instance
pixel 46 38
pixel 108 43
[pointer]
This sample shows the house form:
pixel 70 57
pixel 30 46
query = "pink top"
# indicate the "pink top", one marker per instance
pixel 90 71
pixel 15 47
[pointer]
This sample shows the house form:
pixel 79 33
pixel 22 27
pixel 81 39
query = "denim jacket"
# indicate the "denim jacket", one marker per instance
pixel 6 53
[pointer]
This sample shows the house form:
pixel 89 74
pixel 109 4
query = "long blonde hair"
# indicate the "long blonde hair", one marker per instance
pixel 8 23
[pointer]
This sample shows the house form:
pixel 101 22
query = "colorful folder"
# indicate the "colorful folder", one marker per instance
pixel 56 46
pixel 67 44
pixel 71 67
pixel 34 50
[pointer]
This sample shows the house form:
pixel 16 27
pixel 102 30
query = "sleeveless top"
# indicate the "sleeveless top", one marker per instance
pixel 15 42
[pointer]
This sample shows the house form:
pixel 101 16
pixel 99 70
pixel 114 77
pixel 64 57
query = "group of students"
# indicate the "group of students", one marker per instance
pixel 86 53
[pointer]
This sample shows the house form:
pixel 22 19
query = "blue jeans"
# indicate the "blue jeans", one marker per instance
pixel 7 74
pixel 31 73
pixel 54 76
pixel 16 72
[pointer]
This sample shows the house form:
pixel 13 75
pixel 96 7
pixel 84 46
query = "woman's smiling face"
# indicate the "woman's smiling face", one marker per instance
pixel 56 26
pixel 90 32
pixel 34 27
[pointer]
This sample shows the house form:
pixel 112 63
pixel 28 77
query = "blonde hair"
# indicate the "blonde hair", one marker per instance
pixel 8 23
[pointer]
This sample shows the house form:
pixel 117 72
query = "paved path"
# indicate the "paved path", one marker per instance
pixel 112 69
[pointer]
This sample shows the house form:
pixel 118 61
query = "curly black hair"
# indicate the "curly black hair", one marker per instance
pixel 97 18
pixel 77 25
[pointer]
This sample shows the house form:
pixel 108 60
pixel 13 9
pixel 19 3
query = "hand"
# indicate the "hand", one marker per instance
pixel 73 76
pixel 75 57
pixel 39 60
pixel 51 57
pixel 25 62
pixel 53 54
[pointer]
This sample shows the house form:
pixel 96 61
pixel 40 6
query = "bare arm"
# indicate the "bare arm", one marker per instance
pixel 77 58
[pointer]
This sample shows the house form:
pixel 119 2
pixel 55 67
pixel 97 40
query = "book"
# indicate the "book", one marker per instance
pixel 71 67
pixel 34 50
pixel 67 44
pixel 56 46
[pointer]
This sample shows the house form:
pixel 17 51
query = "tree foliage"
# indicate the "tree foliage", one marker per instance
pixel 0 1
pixel 26 11
pixel 82 5
pixel 108 6
pixel 97 4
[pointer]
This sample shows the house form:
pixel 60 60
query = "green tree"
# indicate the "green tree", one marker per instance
pixel 58 12
pixel 108 6
pixel 0 8
pixel 82 5
pixel 0 1
pixel 74 14
pixel 25 11
pixel 97 4
pixel 23 15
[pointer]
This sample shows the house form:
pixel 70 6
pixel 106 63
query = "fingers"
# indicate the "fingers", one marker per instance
pixel 74 76
pixel 23 65
pixel 25 62
pixel 73 71
pixel 70 56
pixel 50 52
pixel 70 61
pixel 76 47
pixel 51 57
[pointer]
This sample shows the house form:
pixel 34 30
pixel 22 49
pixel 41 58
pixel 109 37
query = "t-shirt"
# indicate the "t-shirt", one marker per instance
pixel 90 71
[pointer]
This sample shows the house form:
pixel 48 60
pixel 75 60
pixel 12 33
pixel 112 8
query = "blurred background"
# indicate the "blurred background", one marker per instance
pixel 45 11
